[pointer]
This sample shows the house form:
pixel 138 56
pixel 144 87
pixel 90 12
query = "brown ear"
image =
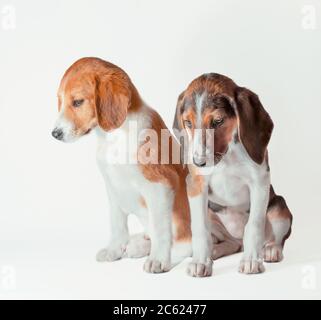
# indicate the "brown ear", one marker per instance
pixel 177 125
pixel 178 129
pixel 113 97
pixel 254 124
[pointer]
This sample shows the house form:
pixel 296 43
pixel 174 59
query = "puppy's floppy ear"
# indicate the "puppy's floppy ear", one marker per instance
pixel 113 97
pixel 254 124
pixel 177 124
pixel 179 130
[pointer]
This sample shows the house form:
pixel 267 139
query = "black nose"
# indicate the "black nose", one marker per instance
pixel 58 134
pixel 199 164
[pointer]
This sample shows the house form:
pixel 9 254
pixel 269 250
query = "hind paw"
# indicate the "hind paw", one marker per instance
pixel 273 253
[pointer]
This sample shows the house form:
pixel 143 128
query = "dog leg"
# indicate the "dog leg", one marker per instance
pixel 252 261
pixel 119 234
pixel 159 200
pixel 278 229
pixel 201 265
pixel 117 245
pixel 224 242
pixel 226 248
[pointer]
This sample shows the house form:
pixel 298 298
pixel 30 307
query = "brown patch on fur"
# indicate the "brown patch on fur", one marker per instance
pixel 113 101
pixel 83 118
pixel 177 124
pixel 224 134
pixel 181 214
pixel 276 213
pixel 213 84
pixel 195 182
pixel 172 175
pixel 209 115
pixel 158 172
pixel 278 210
pixel 109 95
pixel 254 124
pixel 106 90
pixel 188 115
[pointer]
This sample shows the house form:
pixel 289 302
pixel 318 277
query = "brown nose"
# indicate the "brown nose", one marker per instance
pixel 57 134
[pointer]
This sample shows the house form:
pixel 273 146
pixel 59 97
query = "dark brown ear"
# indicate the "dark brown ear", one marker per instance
pixel 177 125
pixel 178 129
pixel 254 124
pixel 113 97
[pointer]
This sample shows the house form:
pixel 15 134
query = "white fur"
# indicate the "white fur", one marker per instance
pixel 201 264
pixel 138 246
pixel 242 185
pixel 126 184
pixel 199 151
pixel 66 126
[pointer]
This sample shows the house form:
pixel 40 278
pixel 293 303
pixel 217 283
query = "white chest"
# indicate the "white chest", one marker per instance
pixel 229 190
pixel 230 179
pixel 123 178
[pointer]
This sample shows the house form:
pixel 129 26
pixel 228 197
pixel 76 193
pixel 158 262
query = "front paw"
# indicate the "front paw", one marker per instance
pixel 251 266
pixel 156 265
pixel 200 269
pixel 110 253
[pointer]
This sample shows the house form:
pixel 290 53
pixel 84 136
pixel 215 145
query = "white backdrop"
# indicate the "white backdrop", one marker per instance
pixel 53 208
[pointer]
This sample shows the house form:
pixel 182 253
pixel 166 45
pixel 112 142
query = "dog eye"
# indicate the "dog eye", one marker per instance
pixel 216 123
pixel 188 124
pixel 77 103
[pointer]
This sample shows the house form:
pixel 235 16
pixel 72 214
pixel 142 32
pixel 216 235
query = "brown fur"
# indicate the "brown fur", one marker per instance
pixel 254 124
pixel 173 175
pixel 240 108
pixel 195 183
pixel 109 95
pixel 278 210
pixel 107 91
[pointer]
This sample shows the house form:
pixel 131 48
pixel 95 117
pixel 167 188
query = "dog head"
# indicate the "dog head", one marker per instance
pixel 92 92
pixel 213 111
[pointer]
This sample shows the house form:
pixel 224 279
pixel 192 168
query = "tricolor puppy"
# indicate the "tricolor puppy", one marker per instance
pixel 228 131
pixel 95 95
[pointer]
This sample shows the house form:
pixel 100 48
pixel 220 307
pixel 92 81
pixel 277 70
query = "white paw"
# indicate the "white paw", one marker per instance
pixel 200 269
pixel 137 247
pixel 251 266
pixel 272 253
pixel 156 266
pixel 110 253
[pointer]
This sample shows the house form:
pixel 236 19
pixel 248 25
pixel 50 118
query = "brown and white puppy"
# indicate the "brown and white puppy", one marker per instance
pixel 99 96
pixel 228 131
